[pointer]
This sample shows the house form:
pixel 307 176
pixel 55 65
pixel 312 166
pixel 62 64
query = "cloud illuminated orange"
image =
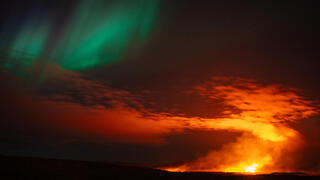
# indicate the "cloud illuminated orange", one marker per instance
pixel 261 113
pixel 265 113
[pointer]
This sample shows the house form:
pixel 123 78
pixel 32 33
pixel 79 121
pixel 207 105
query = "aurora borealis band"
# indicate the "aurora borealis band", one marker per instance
pixel 92 33
pixel 175 85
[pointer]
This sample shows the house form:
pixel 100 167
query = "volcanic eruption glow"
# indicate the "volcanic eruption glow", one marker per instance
pixel 264 118
pixel 251 168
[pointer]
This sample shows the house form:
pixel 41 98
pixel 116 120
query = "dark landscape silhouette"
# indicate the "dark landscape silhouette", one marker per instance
pixel 40 168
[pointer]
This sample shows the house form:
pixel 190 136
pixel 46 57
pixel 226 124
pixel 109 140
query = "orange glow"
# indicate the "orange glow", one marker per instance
pixel 262 114
pixel 263 117
pixel 265 114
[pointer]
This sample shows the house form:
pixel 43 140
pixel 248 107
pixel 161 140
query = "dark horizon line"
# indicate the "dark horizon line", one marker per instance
pixel 150 167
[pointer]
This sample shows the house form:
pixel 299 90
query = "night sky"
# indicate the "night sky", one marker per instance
pixel 180 85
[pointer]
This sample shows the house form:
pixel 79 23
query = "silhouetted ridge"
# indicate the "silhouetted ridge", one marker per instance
pixel 39 168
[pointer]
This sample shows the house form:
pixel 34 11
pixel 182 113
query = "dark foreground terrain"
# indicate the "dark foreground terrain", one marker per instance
pixel 46 169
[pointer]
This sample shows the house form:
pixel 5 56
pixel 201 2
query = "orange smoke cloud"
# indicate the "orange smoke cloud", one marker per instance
pixel 265 113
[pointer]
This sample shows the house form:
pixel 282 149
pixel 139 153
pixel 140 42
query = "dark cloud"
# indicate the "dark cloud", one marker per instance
pixel 63 85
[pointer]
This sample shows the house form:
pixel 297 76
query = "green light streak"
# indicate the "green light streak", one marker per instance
pixel 29 43
pixel 101 35
pixel 98 33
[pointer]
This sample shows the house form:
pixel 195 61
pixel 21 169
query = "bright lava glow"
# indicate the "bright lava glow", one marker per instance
pixel 265 112
pixel 252 168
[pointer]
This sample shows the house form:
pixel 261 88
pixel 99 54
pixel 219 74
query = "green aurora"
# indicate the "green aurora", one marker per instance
pixel 96 33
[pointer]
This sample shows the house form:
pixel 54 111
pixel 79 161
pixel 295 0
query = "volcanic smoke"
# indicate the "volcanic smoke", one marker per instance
pixel 264 115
